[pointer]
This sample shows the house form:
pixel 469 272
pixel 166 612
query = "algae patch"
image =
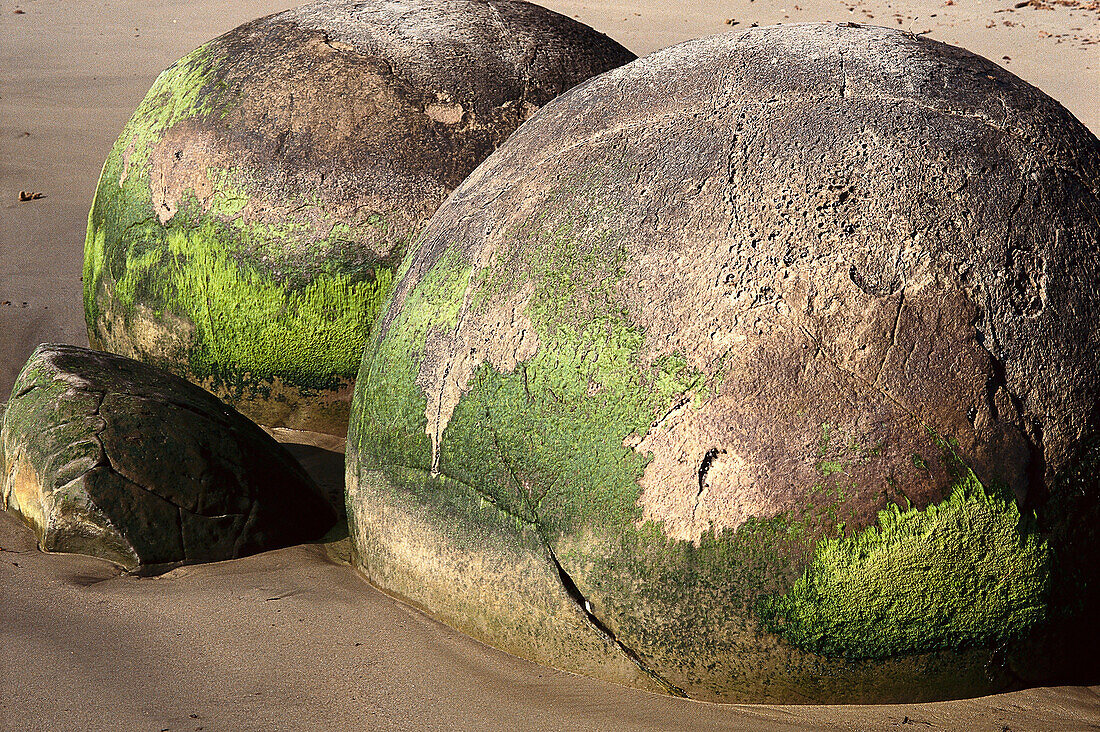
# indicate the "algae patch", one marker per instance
pixel 391 428
pixel 301 334
pixel 969 571
pixel 123 202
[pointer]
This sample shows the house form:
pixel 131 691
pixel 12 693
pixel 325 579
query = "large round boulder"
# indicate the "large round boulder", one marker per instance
pixel 764 368
pixel 107 456
pixel 248 220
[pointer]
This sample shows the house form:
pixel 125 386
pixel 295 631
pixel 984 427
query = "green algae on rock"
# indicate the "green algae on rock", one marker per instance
pixel 760 369
pixel 249 218
pixel 959 573
pixel 110 457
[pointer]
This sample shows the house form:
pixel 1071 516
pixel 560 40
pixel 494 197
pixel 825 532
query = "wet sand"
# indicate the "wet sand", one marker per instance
pixel 293 639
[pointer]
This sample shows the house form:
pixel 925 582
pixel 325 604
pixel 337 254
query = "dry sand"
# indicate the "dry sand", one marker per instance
pixel 292 639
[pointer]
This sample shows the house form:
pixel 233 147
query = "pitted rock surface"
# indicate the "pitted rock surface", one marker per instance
pixel 779 350
pixel 109 457
pixel 249 217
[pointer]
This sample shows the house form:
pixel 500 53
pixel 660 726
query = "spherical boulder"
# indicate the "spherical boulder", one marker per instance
pixel 248 220
pixel 764 368
pixel 107 456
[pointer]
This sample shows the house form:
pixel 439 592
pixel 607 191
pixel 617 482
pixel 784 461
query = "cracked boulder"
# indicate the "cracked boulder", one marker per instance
pixel 109 457
pixel 249 218
pixel 764 368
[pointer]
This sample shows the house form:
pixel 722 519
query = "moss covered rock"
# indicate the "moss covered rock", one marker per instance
pixel 106 456
pixel 764 368
pixel 249 218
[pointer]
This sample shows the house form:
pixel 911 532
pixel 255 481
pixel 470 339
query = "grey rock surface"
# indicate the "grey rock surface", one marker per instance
pixel 777 353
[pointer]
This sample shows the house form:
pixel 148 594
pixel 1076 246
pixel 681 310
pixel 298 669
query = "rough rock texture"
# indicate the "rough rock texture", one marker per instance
pixel 106 456
pixel 248 220
pixel 769 363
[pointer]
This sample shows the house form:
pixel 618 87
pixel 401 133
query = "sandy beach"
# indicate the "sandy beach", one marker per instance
pixel 295 639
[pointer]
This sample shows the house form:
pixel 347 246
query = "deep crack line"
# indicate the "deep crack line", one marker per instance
pixel 575 594
pixel 567 584
pixel 704 468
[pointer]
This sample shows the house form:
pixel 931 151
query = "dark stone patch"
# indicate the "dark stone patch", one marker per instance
pixel 149 471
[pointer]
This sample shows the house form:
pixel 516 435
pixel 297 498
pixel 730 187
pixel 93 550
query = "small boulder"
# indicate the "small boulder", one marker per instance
pixel 110 457
pixel 248 222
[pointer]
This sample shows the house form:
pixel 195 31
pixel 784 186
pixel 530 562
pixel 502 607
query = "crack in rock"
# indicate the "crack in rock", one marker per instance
pixel 575 594
pixel 704 468
pixel 567 583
